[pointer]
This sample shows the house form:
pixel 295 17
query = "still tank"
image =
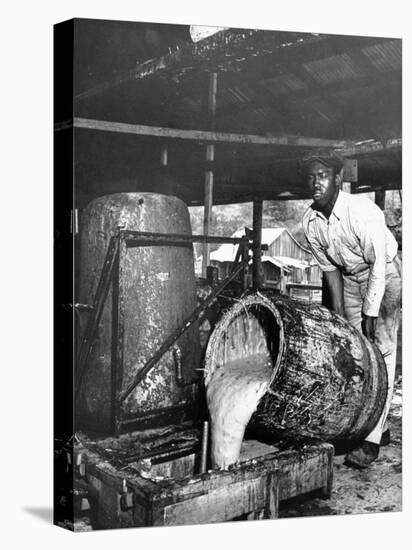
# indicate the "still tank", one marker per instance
pixel 156 293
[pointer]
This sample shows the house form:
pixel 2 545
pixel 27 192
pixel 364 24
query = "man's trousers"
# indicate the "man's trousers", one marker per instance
pixel 355 287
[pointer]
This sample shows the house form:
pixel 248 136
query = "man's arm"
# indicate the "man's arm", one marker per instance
pixel 335 285
pixel 332 274
pixel 369 326
pixel 371 230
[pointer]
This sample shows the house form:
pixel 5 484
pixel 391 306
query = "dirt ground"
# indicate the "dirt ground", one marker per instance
pixel 375 489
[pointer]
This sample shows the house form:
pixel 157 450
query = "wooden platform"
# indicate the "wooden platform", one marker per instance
pixel 143 493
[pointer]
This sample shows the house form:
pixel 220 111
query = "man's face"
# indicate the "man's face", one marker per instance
pixel 321 182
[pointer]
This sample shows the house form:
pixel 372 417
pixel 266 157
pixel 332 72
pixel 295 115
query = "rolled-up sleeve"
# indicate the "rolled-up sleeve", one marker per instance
pixel 371 230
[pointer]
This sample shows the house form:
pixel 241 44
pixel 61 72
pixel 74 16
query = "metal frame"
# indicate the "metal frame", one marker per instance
pixel 111 274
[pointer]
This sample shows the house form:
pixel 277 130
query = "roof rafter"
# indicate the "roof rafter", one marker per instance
pixel 200 135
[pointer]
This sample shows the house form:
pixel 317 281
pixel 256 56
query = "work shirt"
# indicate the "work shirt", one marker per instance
pixel 354 239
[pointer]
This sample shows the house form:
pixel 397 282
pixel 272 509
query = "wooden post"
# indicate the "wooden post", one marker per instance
pixel 210 156
pixel 163 155
pixel 380 198
pixel 245 275
pixel 212 275
pixel 257 244
pixel 283 287
pixel 207 220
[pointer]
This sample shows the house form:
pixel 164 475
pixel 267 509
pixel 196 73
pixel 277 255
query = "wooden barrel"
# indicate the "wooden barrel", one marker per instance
pixel 328 382
pixel 156 293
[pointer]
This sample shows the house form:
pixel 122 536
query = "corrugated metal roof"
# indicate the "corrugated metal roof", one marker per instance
pixel 333 69
pixel 284 84
pixel 275 261
pixel 238 94
pixel 385 57
pixel 293 262
pixel 269 83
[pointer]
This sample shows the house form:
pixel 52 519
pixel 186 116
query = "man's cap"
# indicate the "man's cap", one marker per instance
pixel 330 159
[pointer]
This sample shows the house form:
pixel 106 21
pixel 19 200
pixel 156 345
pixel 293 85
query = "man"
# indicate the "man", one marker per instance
pixel 358 256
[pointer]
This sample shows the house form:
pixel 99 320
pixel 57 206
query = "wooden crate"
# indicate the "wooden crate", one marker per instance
pixel 216 496
pixel 252 489
pixel 302 470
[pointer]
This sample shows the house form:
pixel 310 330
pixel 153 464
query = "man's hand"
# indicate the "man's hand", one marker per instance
pixel 369 327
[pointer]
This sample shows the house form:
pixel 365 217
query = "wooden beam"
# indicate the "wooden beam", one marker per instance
pixel 368 147
pixel 204 136
pixel 210 156
pixel 257 243
pixel 372 185
pixel 207 218
pixel 380 198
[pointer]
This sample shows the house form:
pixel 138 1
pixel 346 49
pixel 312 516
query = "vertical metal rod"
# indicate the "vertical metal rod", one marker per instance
pixel 98 305
pixel 257 244
pixel 210 156
pixel 205 437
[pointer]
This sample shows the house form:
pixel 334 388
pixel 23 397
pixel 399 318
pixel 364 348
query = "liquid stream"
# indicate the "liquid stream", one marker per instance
pixel 233 394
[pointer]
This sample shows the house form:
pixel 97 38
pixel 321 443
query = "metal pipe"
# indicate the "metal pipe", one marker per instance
pixel 137 238
pixel 205 437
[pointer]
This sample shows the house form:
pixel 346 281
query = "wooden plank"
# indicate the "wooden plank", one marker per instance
pixel 371 186
pixel 303 286
pixel 221 504
pixel 254 487
pixel 299 477
pixel 201 135
pixel 368 147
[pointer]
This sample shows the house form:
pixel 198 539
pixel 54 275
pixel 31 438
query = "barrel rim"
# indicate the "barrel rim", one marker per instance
pixel 221 327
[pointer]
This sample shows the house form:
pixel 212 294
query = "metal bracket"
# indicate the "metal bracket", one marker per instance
pixel 127 498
